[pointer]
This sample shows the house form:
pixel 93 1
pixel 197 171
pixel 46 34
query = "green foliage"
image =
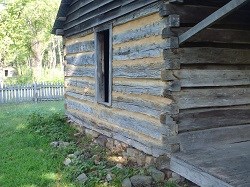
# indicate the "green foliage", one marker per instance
pixel 25 37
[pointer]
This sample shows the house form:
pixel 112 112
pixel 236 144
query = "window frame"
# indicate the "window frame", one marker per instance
pixel 98 65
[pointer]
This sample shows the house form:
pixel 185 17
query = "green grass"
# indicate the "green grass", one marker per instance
pixel 26 158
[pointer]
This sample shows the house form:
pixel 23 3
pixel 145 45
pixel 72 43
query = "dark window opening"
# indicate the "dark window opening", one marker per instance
pixel 103 58
pixel 105 64
pixel 6 73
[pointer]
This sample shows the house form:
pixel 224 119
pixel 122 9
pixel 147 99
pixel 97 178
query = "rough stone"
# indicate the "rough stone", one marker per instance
pixel 126 183
pixel 67 161
pixel 101 140
pixel 176 177
pixel 91 133
pixel 110 144
pixel 141 159
pixel 54 144
pixel 63 144
pixel 82 178
pixel 120 166
pixel 141 181
pixel 149 160
pixel 131 152
pixel 71 156
pixel 168 173
pixel 96 159
pixel 109 177
pixel 77 153
pixel 162 162
pixel 157 175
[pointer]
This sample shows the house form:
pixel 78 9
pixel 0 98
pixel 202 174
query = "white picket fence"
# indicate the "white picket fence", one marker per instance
pixel 31 93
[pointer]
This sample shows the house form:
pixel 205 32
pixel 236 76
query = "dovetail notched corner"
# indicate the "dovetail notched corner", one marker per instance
pixel 168 33
pixel 169 75
pixel 172 43
pixel 173 20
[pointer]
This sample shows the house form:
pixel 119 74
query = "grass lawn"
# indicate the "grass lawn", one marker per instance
pixel 26 158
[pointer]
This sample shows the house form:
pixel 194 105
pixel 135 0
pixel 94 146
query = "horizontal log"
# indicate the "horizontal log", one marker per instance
pixel 145 144
pixel 213 118
pixel 148 105
pixel 142 12
pixel 148 71
pixel 80 84
pixel 191 15
pixel 78 95
pixel 80 71
pixel 208 77
pixel 213 137
pixel 139 33
pixel 211 97
pixel 137 52
pixel 79 60
pixel 174 58
pixel 130 122
pixel 79 47
pixel 137 88
pixel 213 35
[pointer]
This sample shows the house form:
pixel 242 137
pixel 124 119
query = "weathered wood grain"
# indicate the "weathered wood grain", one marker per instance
pixel 200 119
pixel 79 71
pixel 131 122
pixel 214 35
pixel 146 144
pixel 136 34
pixel 195 174
pixel 226 162
pixel 148 71
pixel 135 87
pixel 80 60
pixel 80 84
pixel 148 105
pixel 211 97
pixel 142 51
pixel 208 77
pixel 174 58
pixel 79 95
pixel 78 47
pixel 214 137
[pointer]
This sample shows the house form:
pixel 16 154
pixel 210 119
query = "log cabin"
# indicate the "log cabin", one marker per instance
pixel 167 77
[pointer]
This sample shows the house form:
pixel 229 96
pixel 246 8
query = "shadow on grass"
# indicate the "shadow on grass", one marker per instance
pixel 26 158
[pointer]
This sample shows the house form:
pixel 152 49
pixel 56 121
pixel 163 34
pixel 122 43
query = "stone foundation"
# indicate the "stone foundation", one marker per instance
pixel 126 154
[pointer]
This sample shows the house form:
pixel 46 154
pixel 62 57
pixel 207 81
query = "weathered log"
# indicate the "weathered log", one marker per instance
pixel 211 97
pixel 190 120
pixel 79 47
pixel 174 58
pixel 79 60
pixel 208 77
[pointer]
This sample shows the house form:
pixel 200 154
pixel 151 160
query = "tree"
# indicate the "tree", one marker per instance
pixel 25 37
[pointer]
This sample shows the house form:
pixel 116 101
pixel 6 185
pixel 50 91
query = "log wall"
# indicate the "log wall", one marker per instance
pixel 138 101
pixel 211 74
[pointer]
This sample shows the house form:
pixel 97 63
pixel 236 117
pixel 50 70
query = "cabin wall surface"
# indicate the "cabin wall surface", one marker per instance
pixel 138 103
pixel 211 73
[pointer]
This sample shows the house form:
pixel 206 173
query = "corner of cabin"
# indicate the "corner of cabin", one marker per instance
pixel 142 73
